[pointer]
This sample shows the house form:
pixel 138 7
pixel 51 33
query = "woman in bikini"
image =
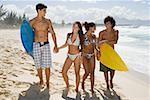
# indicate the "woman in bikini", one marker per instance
pixel 73 56
pixel 88 55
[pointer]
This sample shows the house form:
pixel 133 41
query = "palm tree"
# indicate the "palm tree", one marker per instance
pixel 2 12
pixel 11 18
pixel 21 18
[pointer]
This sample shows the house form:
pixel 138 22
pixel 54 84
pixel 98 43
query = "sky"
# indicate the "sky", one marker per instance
pixel 82 10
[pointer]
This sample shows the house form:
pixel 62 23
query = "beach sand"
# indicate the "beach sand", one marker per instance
pixel 19 80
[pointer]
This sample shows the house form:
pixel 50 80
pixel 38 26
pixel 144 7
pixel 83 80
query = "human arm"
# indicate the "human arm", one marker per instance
pixel 51 30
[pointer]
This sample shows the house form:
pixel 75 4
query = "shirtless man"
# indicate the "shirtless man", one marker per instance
pixel 41 48
pixel 110 36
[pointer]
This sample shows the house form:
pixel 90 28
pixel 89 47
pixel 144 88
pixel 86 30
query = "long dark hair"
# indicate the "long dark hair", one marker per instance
pixel 80 32
pixel 88 25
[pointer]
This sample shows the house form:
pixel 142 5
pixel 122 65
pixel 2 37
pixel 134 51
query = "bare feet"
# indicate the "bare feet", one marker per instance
pixel 76 90
pixel 41 84
pixel 78 96
pixel 83 86
pixel 47 84
pixel 92 92
pixel 65 93
pixel 94 97
pixel 111 84
pixel 107 86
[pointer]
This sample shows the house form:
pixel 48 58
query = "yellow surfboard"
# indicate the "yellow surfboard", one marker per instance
pixel 111 59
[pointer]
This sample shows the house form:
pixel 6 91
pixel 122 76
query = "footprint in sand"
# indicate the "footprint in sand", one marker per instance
pixel 2 85
pixel 22 84
pixel 59 76
pixel 56 63
pixel 18 72
pixel 7 50
pixel 56 70
pixel 21 62
pixel 7 62
pixel 34 74
pixel 14 75
pixel 6 93
pixel 3 76
pixel 116 86
pixel 27 69
pixel 1 72
pixel 9 83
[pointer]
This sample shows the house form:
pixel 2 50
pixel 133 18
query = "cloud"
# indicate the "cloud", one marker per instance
pixel 59 13
pixel 142 1
pixel 77 0
pixel 123 12
pixel 29 10
pixel 138 0
pixel 63 13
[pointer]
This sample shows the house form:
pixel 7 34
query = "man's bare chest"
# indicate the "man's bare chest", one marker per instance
pixel 109 36
pixel 40 25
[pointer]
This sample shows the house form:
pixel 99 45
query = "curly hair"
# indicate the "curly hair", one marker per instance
pixel 111 20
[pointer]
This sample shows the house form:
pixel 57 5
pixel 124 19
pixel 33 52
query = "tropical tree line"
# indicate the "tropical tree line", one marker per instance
pixel 10 19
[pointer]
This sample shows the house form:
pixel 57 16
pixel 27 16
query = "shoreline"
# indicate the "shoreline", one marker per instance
pixel 141 76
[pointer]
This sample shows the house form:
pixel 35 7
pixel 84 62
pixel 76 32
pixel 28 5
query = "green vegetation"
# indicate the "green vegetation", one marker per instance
pixel 10 19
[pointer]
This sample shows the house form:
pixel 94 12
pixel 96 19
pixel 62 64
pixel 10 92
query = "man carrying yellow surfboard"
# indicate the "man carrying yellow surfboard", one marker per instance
pixel 109 36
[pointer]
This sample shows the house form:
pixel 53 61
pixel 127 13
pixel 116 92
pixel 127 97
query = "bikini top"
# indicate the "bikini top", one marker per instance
pixel 87 41
pixel 75 43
